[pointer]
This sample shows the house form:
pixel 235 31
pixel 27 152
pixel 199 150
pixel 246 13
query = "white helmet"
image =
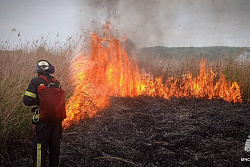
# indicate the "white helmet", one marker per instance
pixel 43 66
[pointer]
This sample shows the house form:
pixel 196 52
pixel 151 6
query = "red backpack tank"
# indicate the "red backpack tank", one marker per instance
pixel 52 101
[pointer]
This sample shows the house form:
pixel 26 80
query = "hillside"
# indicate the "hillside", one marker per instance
pixel 178 52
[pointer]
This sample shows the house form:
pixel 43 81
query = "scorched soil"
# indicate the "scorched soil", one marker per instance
pixel 153 132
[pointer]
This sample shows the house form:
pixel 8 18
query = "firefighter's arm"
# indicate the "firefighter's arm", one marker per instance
pixel 30 96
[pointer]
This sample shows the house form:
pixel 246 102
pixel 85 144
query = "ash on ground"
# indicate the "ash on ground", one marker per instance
pixel 155 132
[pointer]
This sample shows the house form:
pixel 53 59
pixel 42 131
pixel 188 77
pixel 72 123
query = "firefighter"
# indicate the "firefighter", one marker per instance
pixel 47 133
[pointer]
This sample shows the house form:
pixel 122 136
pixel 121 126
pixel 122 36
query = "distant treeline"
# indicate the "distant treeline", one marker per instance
pixel 178 52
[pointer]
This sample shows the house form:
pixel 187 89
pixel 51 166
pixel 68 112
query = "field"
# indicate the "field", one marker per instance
pixel 142 131
pixel 146 131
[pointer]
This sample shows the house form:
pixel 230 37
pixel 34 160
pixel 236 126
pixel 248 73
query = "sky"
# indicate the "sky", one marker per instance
pixel 179 23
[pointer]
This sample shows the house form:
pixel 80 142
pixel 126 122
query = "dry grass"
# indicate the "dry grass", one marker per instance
pixel 158 65
pixel 17 69
pixel 240 72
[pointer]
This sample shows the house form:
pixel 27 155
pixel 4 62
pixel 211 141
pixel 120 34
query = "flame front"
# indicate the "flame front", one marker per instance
pixel 108 71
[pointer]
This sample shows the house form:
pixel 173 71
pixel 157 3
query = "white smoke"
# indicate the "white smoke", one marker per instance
pixel 172 23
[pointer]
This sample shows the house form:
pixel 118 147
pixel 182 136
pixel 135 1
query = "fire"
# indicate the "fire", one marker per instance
pixel 108 71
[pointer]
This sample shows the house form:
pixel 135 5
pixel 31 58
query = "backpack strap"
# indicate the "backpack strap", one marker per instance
pixel 46 80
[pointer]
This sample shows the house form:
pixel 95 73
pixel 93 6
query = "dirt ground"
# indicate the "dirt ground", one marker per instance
pixel 154 132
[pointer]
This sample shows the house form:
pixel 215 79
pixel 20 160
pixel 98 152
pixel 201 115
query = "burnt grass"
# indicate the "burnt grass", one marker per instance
pixel 152 132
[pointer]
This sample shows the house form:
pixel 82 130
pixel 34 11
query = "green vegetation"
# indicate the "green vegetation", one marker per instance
pixel 212 52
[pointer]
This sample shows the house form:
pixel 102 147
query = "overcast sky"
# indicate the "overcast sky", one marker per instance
pixel 179 23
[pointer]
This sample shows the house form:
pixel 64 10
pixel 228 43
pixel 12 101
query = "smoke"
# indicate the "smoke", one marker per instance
pixel 171 23
pixel 139 20
pixel 109 7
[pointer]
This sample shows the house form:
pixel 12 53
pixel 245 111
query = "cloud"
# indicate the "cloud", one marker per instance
pixel 38 18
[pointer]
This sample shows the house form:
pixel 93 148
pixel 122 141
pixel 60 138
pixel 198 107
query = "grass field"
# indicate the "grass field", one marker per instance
pixel 17 69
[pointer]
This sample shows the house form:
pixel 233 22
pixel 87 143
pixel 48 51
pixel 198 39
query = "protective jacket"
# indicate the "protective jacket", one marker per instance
pixel 31 98
pixel 48 133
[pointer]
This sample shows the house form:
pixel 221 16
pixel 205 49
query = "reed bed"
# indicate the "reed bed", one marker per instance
pixel 17 69
pixel 168 66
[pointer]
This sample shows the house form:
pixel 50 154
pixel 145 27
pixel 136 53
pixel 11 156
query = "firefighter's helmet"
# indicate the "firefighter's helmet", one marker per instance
pixel 43 66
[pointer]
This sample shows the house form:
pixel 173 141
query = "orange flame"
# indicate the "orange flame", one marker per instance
pixel 109 72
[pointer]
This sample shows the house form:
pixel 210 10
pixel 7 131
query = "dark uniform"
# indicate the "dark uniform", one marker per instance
pixel 48 134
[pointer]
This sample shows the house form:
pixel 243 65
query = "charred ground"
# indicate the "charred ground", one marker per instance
pixel 146 131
